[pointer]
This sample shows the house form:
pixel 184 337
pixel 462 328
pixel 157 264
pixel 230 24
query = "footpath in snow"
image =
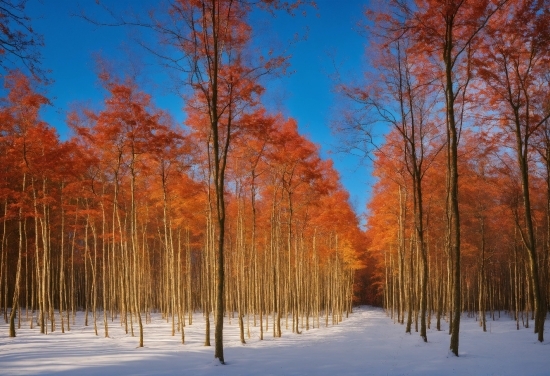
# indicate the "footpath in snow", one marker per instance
pixel 367 343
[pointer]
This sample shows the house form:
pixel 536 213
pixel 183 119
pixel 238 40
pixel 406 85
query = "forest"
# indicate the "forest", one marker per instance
pixel 134 214
pixel 235 214
pixel 460 214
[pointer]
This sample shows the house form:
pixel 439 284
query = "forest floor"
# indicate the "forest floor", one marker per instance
pixel 368 342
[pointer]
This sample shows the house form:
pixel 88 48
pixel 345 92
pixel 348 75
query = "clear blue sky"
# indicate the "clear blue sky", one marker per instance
pixel 330 39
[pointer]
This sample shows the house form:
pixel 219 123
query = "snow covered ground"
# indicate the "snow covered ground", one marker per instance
pixel 367 343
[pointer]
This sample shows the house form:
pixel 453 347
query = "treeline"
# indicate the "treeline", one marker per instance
pixel 460 215
pixel 118 221
pixel 495 270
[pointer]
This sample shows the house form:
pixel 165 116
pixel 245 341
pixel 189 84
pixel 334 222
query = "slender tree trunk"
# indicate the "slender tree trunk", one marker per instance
pixel 452 136
pixel 528 236
pixel 15 301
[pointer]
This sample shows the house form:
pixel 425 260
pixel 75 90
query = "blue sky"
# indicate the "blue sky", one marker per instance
pixel 329 42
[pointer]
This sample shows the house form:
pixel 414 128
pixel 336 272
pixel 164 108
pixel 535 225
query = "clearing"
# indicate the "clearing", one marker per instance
pixel 368 342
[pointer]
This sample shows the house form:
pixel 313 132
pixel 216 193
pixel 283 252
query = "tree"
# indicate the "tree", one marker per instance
pixel 447 33
pixel 130 132
pixel 17 39
pixel 400 95
pixel 213 36
pixel 513 65
pixel 24 136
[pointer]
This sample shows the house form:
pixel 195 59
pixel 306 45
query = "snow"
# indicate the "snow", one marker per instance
pixel 368 342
